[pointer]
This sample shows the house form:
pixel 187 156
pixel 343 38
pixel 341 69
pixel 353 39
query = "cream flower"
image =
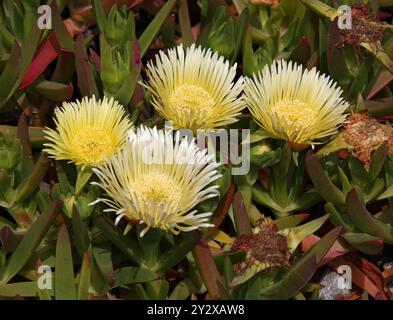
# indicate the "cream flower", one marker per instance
pixel 158 180
pixel 87 131
pixel 195 88
pixel 294 104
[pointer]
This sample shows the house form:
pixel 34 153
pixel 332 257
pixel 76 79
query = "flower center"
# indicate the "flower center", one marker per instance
pixel 295 112
pixel 93 144
pixel 157 187
pixel 190 97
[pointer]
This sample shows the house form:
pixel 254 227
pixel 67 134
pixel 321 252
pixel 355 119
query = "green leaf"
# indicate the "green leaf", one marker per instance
pixel 33 181
pixel 185 24
pixel 130 275
pixel 364 242
pixel 80 233
pixel 321 8
pixel 177 252
pixel 297 234
pixel 292 282
pixel 64 277
pixel 126 244
pixel 359 174
pixel 10 73
pixel 84 174
pixel 62 35
pixel 290 221
pixel 84 278
pixel 240 32
pixel 30 241
pixel 9 83
pixel 387 193
pixel 23 289
pixel 377 160
pixel 126 91
pixel 338 143
pixel 322 182
pixel 338 218
pixel 365 221
pixel 262 197
pixel 54 91
pixel 153 28
pixel 100 14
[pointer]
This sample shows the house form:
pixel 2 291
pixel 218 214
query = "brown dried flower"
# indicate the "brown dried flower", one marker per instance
pixel 265 247
pixel 365 28
pixel 366 134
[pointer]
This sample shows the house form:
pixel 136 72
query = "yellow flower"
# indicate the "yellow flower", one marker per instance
pixel 158 180
pixel 195 88
pixel 293 104
pixel 87 131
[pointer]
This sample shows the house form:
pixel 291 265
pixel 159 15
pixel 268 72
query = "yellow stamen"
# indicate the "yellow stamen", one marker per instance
pixel 295 113
pixel 190 97
pixel 92 143
pixel 157 187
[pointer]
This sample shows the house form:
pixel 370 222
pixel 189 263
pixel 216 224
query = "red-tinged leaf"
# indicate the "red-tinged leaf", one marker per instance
pixel 387 275
pixel 95 59
pixel 9 239
pixel 358 277
pixel 136 58
pixel 48 52
pixel 383 78
pixel 242 221
pixel 86 82
pixel 74 28
pixel 335 57
pixel 381 108
pixel 208 270
pixel 65 67
pixel 55 91
pixel 371 271
pixel 23 136
pixel 223 208
pixel 325 248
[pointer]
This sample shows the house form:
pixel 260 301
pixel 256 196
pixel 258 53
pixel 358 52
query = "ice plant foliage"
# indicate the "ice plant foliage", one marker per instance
pixel 87 131
pixel 297 105
pixel 194 88
pixel 158 179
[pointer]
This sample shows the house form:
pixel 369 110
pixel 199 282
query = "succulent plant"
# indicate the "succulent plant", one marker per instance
pixel 78 198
